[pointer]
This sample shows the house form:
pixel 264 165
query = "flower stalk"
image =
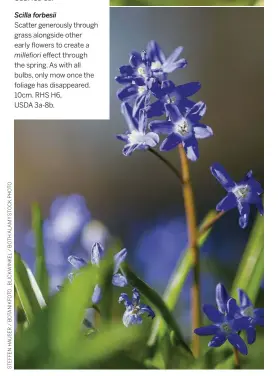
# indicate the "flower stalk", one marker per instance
pixel 193 245
pixel 236 355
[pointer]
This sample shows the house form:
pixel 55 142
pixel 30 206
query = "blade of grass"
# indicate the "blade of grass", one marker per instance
pixel 41 270
pixel 24 290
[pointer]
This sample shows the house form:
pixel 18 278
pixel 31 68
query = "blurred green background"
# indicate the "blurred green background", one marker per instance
pixel 137 199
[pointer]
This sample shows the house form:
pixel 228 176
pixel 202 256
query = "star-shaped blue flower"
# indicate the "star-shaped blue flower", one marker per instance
pixel 134 309
pixel 246 309
pixel 168 92
pixel 97 253
pixel 240 195
pixel 254 315
pixel 136 138
pixel 225 326
pixel 183 129
pixel 148 64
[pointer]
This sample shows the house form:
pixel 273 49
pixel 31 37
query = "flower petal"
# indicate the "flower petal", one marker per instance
pixel 123 298
pixel 244 299
pixel 151 139
pixel 241 323
pixel 202 131
pixel 191 149
pixel 170 142
pixel 232 308
pixel 222 176
pixel 129 149
pixel 228 202
pixel 135 59
pixel 77 262
pixel 135 297
pixel 119 280
pixel 206 330
pixel 251 335
pixel 222 297
pixel 212 313
pixel 154 52
pixel 238 343
pixel 169 67
pixel 259 321
pixel 130 318
pixel 97 294
pixel 70 277
pixel 142 123
pixel 159 126
pixel 122 137
pixel 260 207
pixel 197 111
pixel 130 119
pixel 217 341
pixel 139 104
pixel 174 113
pixel 259 312
pixel 119 258
pixel 146 309
pixel 155 109
pixel 97 253
pixel 128 92
pixel 244 210
pixel 186 90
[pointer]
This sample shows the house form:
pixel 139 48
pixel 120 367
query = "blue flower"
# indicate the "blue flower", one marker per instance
pixel 255 315
pixel 170 93
pixel 148 64
pixel 136 137
pixel 159 64
pixel 225 326
pixel 183 129
pixel 240 195
pixel 134 309
pixel 97 254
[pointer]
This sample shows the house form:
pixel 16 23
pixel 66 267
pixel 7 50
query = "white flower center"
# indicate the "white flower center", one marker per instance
pixel 142 71
pixel 241 191
pixel 249 312
pixel 135 310
pixel 156 65
pixel 141 89
pixel 171 99
pixel 183 128
pixel 136 137
pixel 226 328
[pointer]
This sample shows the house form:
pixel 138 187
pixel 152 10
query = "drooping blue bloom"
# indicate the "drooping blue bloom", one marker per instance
pixel 97 254
pixel 240 195
pixel 225 326
pixel 255 315
pixel 136 138
pixel 177 95
pixel 148 64
pixel 134 309
pixel 183 129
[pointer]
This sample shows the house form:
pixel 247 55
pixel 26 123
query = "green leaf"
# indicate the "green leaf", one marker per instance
pixel 250 272
pixel 156 301
pixel 24 290
pixel 177 280
pixel 40 267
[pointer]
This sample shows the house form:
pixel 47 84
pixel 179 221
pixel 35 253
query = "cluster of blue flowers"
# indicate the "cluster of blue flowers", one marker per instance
pixel 148 93
pixel 134 309
pixel 229 320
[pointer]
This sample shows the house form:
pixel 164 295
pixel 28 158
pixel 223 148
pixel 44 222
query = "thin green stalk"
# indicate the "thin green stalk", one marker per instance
pixel 189 206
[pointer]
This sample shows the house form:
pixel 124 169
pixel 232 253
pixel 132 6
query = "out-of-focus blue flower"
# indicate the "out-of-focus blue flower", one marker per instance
pixel 136 138
pixel 255 315
pixel 177 95
pixel 240 195
pixel 225 326
pixel 94 232
pixel 148 64
pixel 134 309
pixel 183 129
pixel 97 254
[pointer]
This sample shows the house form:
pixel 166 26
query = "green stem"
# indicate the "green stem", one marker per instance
pixel 189 206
